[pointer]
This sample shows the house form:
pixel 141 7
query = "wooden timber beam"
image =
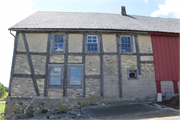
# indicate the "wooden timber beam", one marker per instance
pixel 137 54
pixel 101 66
pixel 30 65
pixel 47 62
pixel 65 66
pixel 119 66
pixel 83 62
pixel 13 63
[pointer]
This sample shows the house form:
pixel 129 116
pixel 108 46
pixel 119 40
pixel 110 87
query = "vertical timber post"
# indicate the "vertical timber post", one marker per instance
pixel 13 63
pixel 30 64
pixel 65 67
pixel 101 66
pixel 47 62
pixel 83 62
pixel 119 66
pixel 137 54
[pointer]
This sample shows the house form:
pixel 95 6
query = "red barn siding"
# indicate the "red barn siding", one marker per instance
pixel 166 58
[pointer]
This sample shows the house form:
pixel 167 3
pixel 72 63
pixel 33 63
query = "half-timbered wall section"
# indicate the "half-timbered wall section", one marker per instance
pixel 112 65
pixel 66 69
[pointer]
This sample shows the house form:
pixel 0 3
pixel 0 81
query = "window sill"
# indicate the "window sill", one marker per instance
pixel 132 78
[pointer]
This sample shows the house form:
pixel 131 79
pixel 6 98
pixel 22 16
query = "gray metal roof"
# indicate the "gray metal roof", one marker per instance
pixel 98 21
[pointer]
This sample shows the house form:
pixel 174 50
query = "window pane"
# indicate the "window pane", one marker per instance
pixel 58 48
pixel 89 37
pixel 55 45
pixel 75 76
pixel 55 80
pixel 75 83
pixel 52 73
pixel 74 69
pixel 123 49
pixel 94 37
pixel 94 41
pixel 58 38
pixel 89 41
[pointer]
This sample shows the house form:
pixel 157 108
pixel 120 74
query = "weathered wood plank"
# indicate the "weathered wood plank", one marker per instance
pixel 65 67
pixel 47 62
pixel 13 62
pixel 146 54
pixel 101 65
pixel 119 66
pixel 110 53
pixel 32 53
pixel 83 62
pixel 30 65
pixel 137 54
pixel 28 76
pixel 147 62
pixel 77 54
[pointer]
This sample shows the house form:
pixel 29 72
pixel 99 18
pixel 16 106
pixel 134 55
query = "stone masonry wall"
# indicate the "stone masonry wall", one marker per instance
pixel 37 42
pixel 21 47
pixel 146 58
pixel 75 42
pixel 23 87
pixel 21 65
pixel 111 88
pixel 74 59
pixel 74 93
pixel 93 87
pixel 92 65
pixel 109 43
pixel 39 63
pixel 40 83
pixel 145 45
pixel 57 59
pixel 53 93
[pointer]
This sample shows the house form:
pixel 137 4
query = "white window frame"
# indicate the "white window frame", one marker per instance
pixel 120 42
pixel 137 74
pixel 98 45
pixel 52 43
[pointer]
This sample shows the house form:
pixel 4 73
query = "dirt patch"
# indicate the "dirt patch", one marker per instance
pixel 173 102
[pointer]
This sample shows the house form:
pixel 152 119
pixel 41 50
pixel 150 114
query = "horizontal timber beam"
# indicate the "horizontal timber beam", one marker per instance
pixel 147 62
pixel 93 76
pixel 33 53
pixel 28 76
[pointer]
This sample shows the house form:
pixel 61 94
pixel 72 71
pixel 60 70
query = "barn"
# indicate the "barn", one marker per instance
pixel 64 60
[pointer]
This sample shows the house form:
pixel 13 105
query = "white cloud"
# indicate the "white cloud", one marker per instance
pixel 11 12
pixel 146 1
pixel 170 6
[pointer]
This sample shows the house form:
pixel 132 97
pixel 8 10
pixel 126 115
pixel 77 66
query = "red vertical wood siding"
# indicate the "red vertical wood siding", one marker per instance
pixel 166 58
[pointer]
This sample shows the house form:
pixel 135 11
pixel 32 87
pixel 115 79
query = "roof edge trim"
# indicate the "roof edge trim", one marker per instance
pixel 164 34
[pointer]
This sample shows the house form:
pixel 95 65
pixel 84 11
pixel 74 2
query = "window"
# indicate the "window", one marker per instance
pixel 126 44
pixel 132 74
pixel 57 43
pixel 75 75
pixel 92 43
pixel 55 75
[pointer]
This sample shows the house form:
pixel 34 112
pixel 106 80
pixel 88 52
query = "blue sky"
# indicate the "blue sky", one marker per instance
pixel 13 11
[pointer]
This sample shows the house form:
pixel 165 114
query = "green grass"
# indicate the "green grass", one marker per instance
pixel 2 108
pixel 4 97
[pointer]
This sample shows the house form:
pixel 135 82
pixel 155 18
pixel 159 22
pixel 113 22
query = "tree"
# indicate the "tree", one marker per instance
pixel 2 90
